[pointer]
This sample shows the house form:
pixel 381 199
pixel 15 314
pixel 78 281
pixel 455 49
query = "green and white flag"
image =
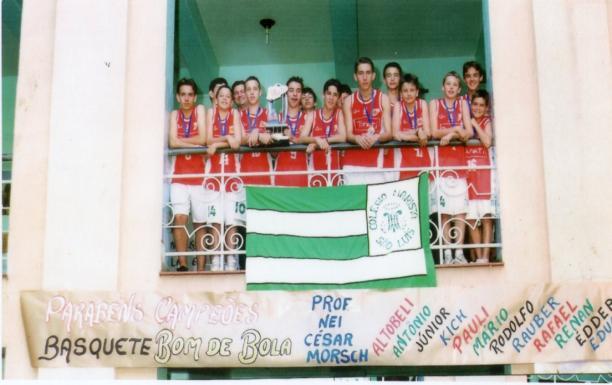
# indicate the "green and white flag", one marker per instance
pixel 365 236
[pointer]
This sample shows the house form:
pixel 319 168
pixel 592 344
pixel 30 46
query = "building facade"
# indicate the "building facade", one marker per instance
pixel 93 96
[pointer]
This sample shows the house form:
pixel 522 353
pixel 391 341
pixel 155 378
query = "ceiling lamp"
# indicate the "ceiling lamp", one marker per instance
pixel 267 25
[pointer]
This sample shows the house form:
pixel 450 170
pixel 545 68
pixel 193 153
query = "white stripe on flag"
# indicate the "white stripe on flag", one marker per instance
pixel 292 270
pixel 324 224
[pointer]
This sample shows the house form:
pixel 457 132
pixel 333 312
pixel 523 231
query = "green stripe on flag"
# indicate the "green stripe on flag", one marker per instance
pixel 318 199
pixel 382 284
pixel 286 246
pixel 348 248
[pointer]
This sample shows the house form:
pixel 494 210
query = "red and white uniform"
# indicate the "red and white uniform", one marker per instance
pixel 365 114
pixel 449 156
pixel 324 128
pixel 413 156
pixel 479 181
pixel 255 161
pixel 292 160
pixel 190 163
pixel 224 162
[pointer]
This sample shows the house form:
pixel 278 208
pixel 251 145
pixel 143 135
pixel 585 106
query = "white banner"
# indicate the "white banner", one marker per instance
pixel 433 326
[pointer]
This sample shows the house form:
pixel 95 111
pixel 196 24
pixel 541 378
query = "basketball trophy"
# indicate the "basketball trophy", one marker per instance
pixel 274 126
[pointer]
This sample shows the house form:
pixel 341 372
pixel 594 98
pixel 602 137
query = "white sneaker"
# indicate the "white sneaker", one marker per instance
pixel 448 257
pixel 231 263
pixel 459 257
pixel 217 263
pixel 482 260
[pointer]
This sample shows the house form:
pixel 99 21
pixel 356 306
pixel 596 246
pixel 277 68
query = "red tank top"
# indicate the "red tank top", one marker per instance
pixel 324 128
pixel 225 162
pixel 479 181
pixel 413 156
pixel 190 163
pixel 255 161
pixel 448 117
pixel 367 117
pixel 478 155
pixel 411 120
pixel 257 122
pixel 292 160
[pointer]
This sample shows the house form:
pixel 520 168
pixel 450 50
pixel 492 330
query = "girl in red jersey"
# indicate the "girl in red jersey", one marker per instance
pixel 254 119
pixel 450 120
pixel 328 127
pixel 225 207
pixel 411 124
pixel 392 76
pixel 480 205
pixel 297 121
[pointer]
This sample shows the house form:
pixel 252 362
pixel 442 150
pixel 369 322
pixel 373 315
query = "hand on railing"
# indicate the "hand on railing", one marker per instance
pixel 264 139
pixel 422 138
pixel 233 142
pixel 253 139
pixel 321 143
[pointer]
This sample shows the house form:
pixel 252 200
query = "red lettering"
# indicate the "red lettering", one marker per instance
pixel 376 347
pixel 407 311
pixel 400 315
pixel 546 336
pixel 457 343
pixel 382 344
pixel 538 344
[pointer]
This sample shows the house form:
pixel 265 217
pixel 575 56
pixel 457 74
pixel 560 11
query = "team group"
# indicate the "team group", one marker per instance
pixel 461 192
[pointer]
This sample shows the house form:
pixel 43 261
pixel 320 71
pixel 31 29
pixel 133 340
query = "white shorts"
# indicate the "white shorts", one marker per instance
pixel 479 208
pixel 186 196
pixel 228 208
pixel 356 175
pixel 452 195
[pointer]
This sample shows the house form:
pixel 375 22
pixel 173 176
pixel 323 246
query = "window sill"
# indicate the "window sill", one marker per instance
pixel 186 273
pixel 471 265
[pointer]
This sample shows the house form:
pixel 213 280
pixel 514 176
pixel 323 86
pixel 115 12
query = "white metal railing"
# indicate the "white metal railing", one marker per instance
pixel 449 236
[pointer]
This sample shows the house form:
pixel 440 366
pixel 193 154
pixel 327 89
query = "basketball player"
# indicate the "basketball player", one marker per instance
pixel 411 124
pixel 450 120
pixel 368 121
pixel 309 100
pixel 213 87
pixel 239 94
pixel 327 127
pixel 480 205
pixel 225 209
pixel 254 119
pixel 297 121
pixel 392 74
pixel 345 92
pixel 473 76
pixel 187 129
